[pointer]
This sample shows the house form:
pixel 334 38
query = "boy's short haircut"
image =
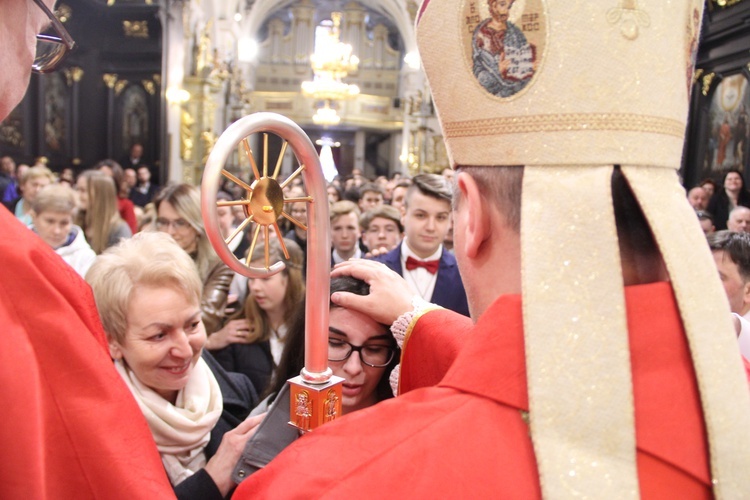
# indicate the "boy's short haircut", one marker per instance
pixel 343 207
pixel 736 246
pixel 433 185
pixel 384 212
pixel 370 187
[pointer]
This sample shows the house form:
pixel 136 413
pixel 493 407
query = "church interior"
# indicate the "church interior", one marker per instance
pixel 173 74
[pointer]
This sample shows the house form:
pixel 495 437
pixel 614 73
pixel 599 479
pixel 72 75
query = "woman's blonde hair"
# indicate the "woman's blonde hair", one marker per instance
pixel 58 198
pixel 101 214
pixel 36 172
pixel 295 286
pixel 146 259
pixel 186 200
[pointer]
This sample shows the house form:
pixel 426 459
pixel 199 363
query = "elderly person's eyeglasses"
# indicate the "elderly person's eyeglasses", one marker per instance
pixel 375 355
pixel 52 48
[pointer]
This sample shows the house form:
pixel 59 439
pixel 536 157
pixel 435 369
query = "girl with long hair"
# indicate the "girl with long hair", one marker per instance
pixel 253 342
pixel 98 214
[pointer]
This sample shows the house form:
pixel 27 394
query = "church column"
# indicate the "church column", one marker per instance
pixel 359 150
pixel 173 71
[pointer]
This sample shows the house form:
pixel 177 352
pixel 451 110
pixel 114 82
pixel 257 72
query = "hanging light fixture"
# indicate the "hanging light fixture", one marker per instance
pixel 332 61
pixel 326 116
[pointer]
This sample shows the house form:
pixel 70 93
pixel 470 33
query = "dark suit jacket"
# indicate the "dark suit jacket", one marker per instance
pixel 141 199
pixel 449 289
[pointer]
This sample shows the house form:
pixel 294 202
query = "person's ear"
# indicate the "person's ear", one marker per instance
pixel 746 293
pixel 115 351
pixel 472 215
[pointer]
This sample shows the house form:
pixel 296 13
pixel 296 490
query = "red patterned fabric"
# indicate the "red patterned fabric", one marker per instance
pixel 466 437
pixel 70 427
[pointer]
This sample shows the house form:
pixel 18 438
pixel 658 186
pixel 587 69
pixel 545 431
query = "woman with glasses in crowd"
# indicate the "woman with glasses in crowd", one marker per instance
pixel 98 214
pixel 179 215
pixel 360 350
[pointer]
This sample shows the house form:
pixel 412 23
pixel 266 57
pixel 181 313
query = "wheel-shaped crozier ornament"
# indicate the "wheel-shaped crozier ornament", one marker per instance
pixel 264 204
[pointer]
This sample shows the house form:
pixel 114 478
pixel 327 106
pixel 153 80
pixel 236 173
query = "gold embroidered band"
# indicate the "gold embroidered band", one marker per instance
pixel 565 122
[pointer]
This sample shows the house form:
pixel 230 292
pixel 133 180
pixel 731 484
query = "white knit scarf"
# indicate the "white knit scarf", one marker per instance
pixel 182 430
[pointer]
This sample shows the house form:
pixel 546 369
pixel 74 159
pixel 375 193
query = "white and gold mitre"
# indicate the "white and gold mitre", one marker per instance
pixel 598 82
pixel 569 89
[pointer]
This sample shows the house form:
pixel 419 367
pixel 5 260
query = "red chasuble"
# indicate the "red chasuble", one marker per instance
pixel 466 437
pixel 70 427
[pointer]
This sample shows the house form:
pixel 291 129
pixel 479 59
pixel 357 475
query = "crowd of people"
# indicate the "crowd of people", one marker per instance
pixel 173 312
pixel 525 376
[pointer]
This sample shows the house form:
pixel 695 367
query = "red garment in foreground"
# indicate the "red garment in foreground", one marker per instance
pixel 70 427
pixel 466 438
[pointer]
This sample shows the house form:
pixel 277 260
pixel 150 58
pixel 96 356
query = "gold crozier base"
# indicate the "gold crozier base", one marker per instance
pixel 313 405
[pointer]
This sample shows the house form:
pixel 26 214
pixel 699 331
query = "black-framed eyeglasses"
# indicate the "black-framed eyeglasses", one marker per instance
pixel 375 355
pixel 51 49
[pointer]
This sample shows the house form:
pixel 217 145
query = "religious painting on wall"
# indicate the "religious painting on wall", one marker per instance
pixel 135 117
pixel 728 126
pixel 12 131
pixel 55 131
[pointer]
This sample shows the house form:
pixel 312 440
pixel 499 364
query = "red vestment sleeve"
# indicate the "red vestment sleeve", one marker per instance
pixel 431 347
pixel 70 428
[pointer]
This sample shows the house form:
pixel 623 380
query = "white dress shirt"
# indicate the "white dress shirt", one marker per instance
pixel 420 280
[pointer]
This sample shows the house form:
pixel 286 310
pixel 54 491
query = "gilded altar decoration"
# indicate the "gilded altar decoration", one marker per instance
pixel 726 3
pixel 186 135
pixel 135 29
pixel 63 12
pixel 110 79
pixel 707 81
pixel 202 50
pixel 120 86
pixel 630 17
pixel 73 74
pixel 697 75
pixel 209 139
pixel 504 43
pixel 150 86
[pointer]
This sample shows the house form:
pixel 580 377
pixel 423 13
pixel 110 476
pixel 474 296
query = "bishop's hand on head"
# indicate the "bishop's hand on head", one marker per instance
pixel 389 297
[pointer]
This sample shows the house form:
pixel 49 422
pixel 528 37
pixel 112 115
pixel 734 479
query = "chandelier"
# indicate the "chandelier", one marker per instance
pixel 333 56
pixel 326 116
pixel 332 61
